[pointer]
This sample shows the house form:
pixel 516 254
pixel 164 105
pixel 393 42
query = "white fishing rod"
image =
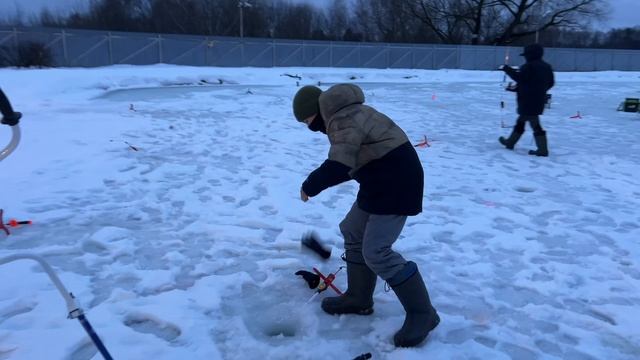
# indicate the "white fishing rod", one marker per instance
pixel 13 144
pixel 73 310
pixel 503 86
pixel 11 118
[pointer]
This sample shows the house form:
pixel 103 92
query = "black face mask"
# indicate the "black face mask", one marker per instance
pixel 318 124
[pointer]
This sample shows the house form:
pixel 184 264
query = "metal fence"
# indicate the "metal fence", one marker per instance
pixel 88 48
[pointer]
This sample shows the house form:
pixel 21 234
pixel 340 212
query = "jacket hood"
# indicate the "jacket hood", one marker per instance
pixel 533 52
pixel 338 97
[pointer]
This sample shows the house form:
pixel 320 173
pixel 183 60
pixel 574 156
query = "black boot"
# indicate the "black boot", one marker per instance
pixel 421 317
pixel 541 143
pixel 358 299
pixel 511 141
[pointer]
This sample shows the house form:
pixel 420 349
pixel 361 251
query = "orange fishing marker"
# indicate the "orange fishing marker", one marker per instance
pixel 12 223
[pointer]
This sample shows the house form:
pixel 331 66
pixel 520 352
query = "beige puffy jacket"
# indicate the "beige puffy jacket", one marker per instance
pixel 358 133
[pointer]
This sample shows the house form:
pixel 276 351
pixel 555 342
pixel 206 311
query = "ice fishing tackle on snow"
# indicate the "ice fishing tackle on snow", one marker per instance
pixel 319 282
pixel 13 223
pixel 423 143
pixel 504 80
pixel 315 279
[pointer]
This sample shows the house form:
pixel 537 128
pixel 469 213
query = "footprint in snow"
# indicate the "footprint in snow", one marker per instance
pixel 15 310
pixel 149 325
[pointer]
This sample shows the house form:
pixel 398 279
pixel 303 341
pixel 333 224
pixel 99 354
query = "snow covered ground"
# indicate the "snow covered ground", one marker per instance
pixel 186 248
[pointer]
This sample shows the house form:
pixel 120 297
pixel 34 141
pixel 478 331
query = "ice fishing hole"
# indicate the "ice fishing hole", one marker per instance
pixel 275 330
pixel 279 325
pixel 524 189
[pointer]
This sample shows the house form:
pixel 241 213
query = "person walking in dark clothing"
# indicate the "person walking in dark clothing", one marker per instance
pixel 369 147
pixel 533 80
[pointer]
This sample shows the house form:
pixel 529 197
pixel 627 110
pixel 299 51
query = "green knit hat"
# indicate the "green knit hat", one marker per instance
pixel 305 103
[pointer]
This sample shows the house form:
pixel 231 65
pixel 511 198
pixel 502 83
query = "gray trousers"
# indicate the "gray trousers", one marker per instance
pixel 368 239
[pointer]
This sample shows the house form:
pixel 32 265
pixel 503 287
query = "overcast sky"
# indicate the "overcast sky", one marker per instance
pixel 626 13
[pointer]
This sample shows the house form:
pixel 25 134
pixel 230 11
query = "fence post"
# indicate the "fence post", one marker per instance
pixel 613 56
pixel 475 57
pixel 413 56
pixel 433 57
pixel 65 53
pixel 160 48
pixel 388 56
pixel 242 52
pixel 110 48
pixel 15 38
pixel 330 53
pixel 206 51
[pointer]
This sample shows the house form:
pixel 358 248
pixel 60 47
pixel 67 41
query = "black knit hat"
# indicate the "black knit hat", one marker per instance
pixel 533 52
pixel 305 103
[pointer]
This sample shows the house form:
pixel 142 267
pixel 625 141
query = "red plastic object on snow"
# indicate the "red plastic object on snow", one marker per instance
pixel 327 281
pixel 423 143
pixel 12 223
pixel 2 227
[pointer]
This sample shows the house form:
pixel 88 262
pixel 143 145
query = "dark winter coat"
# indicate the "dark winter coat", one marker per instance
pixel 369 147
pixel 533 80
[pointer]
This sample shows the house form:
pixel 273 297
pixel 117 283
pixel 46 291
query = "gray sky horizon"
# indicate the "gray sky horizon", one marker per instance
pixel 624 12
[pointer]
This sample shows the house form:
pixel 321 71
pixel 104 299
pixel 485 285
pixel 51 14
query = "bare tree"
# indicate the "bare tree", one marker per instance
pixel 16 19
pixel 473 15
pixel 502 21
pixel 338 19
pixel 627 38
pixel 295 21
pixel 445 18
pixel 558 23
pixel 255 21
pixel 173 16
pixel 526 17
pixel 362 20
pixel 394 22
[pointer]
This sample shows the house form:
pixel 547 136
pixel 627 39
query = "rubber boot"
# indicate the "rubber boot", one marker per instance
pixel 511 141
pixel 358 299
pixel 541 143
pixel 421 317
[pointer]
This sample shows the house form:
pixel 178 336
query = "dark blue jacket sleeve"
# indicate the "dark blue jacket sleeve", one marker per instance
pixel 329 174
pixel 522 75
pixel 513 73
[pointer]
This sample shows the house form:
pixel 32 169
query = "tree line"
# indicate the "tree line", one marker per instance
pixel 564 23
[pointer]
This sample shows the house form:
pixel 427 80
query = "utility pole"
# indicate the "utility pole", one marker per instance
pixel 241 5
